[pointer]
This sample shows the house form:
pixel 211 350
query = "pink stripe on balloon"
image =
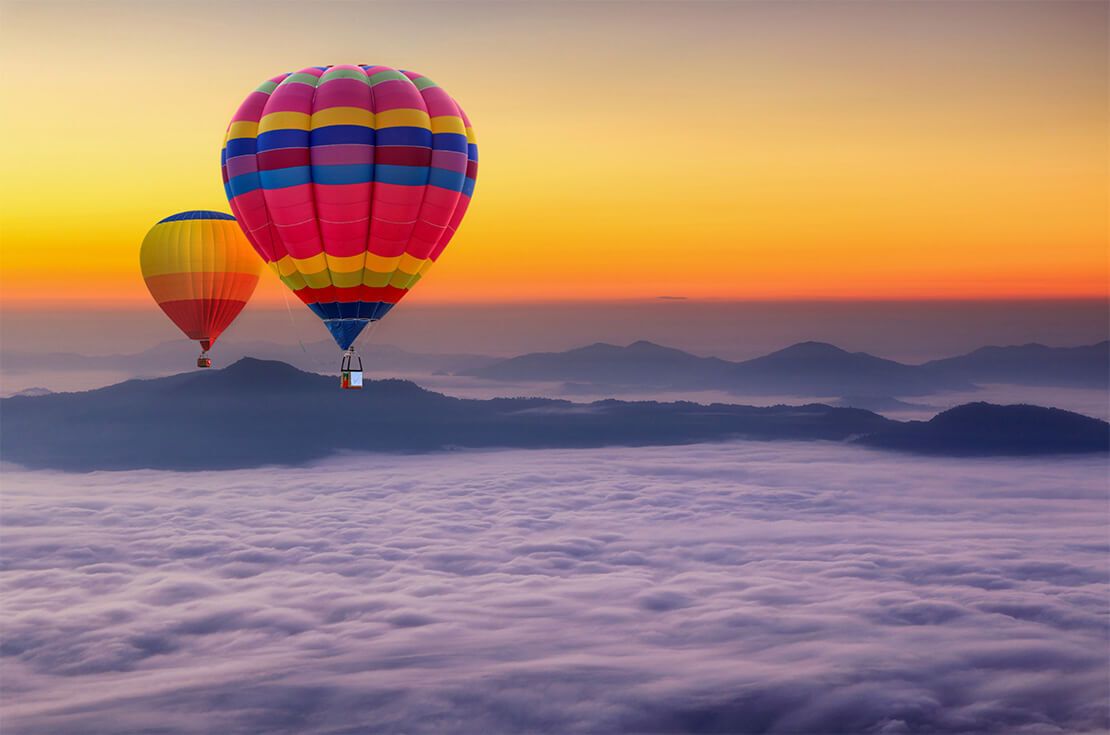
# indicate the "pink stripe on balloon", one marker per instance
pixel 449 160
pixel 242 165
pixel 397 94
pixel 343 211
pixel 439 103
pixel 251 109
pixel 342 93
pixel 330 155
pixel 384 247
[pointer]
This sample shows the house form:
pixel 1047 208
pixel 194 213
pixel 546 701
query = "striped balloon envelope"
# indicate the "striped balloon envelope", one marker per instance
pixel 201 270
pixel 349 181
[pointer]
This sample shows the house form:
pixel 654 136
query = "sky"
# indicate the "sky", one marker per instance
pixel 737 587
pixel 713 151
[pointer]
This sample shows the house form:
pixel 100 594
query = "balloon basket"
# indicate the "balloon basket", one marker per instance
pixel 350 371
pixel 204 361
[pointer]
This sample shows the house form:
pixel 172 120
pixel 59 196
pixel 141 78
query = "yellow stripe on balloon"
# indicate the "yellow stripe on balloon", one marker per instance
pixel 242 129
pixel 410 264
pixel 382 263
pixel 342 116
pixel 448 124
pixel 224 255
pixel 284 121
pixel 403 117
pixel 335 264
pixel 200 285
pixel 346 263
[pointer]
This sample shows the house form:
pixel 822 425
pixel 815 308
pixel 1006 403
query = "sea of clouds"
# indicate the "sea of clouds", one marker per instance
pixel 740 587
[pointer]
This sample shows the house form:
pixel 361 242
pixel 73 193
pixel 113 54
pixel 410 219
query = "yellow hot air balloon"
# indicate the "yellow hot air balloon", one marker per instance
pixel 202 271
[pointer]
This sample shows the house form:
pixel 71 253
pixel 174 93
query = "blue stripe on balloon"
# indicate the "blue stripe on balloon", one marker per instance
pixel 405 136
pixel 468 187
pixel 243 184
pixel 276 139
pixel 196 214
pixel 345 330
pixel 241 147
pixel 444 179
pixel 280 178
pixel 449 142
pixel 472 152
pixel 401 175
pixel 342 134
pixel 351 173
pixel 346 321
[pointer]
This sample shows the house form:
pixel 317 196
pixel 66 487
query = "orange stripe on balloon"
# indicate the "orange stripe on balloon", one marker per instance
pixel 195 284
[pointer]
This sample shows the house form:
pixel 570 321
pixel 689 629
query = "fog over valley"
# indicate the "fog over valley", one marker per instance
pixel 724 587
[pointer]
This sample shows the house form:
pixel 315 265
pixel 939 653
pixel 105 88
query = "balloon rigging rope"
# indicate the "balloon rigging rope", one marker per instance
pixel 296 330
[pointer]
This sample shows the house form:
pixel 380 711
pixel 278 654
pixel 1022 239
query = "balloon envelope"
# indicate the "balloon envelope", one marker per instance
pixel 201 270
pixel 349 181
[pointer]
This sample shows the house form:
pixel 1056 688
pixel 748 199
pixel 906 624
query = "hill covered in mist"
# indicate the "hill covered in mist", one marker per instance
pixel 259 412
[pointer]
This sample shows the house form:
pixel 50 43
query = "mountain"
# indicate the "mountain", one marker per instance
pixel 258 412
pixel 809 368
pixel 169 357
pixel 34 391
pixel 983 428
pixel 1032 364
pixel 817 368
pixel 642 364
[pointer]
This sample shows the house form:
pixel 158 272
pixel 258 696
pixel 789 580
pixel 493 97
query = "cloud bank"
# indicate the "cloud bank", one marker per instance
pixel 739 587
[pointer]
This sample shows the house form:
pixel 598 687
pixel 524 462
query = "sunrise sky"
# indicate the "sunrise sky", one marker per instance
pixel 628 150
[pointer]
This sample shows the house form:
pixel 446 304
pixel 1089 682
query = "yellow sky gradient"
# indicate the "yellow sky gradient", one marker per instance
pixel 724 151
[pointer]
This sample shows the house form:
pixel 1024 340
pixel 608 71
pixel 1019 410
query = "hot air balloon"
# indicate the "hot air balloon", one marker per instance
pixel 349 181
pixel 202 271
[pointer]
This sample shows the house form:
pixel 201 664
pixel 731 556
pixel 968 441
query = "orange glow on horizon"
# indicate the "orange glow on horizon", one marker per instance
pixel 749 151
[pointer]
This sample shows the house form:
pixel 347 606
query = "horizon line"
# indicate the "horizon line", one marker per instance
pixel 62 305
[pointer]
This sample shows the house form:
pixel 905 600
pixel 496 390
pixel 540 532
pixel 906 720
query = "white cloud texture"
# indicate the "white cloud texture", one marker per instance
pixel 741 587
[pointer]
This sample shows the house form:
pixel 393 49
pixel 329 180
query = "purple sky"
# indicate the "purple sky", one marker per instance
pixel 899 330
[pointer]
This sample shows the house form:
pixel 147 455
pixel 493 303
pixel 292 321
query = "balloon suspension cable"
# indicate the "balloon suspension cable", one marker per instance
pixel 315 360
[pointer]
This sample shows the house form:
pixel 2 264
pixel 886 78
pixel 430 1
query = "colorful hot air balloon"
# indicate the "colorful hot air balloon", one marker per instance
pixel 349 181
pixel 201 270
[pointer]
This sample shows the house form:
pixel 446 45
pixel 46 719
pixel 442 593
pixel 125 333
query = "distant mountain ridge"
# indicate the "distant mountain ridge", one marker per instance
pixel 641 363
pixel 258 412
pixel 814 369
pixel 806 368
pixel 1031 364
pixel 169 357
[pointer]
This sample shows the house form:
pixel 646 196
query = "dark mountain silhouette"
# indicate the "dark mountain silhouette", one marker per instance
pixel 261 412
pixel 170 357
pixel 808 368
pixel 642 364
pixel 1032 364
pixel 34 391
pixel 983 428
pixel 879 404
pixel 817 368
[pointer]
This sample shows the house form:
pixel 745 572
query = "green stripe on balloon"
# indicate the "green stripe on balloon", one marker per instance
pixel 343 74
